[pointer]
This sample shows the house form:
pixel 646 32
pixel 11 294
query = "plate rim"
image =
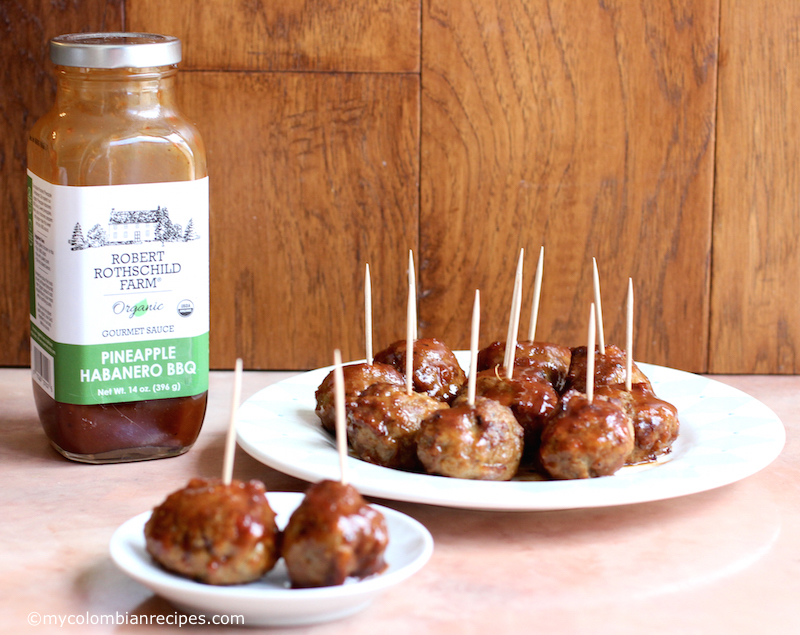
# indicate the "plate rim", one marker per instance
pixel 128 539
pixel 365 482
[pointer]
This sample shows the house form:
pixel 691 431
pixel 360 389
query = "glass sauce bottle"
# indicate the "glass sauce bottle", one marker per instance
pixel 118 237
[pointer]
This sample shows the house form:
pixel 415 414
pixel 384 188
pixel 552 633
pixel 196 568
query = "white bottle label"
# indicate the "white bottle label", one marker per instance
pixel 119 290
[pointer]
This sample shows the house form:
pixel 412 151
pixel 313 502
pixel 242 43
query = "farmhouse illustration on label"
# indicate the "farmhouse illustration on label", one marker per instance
pixel 133 228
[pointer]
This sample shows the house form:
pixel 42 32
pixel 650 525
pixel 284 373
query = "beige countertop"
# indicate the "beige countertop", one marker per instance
pixel 723 561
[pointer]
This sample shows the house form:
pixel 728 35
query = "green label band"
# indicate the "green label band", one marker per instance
pixel 134 371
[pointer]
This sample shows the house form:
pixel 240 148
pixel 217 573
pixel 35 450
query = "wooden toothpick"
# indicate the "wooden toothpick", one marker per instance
pixel 368 314
pixel 599 307
pixel 537 292
pixel 411 326
pixel 412 289
pixel 230 439
pixel 629 339
pixel 341 429
pixel 473 348
pixel 590 356
pixel 513 320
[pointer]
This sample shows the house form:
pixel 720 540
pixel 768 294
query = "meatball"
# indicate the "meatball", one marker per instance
pixel 435 367
pixel 382 425
pixel 479 442
pixel 586 439
pixel 356 378
pixel 215 533
pixel 609 368
pixel 655 421
pixel 333 535
pixel 532 400
pixel 551 361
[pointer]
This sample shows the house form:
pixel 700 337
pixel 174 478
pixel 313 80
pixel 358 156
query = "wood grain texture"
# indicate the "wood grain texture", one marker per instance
pixel 291 35
pixel 584 127
pixel 312 176
pixel 27 91
pixel 755 315
pixel 466 130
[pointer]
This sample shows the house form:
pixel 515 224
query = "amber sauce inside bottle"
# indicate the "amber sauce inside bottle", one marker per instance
pixel 111 127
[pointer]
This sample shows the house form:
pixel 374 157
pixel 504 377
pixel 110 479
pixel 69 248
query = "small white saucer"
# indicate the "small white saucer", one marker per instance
pixel 270 601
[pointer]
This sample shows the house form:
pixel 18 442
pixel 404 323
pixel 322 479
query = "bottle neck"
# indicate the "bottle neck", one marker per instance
pixel 102 91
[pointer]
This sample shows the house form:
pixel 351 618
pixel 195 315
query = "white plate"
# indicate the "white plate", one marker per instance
pixel 725 436
pixel 270 601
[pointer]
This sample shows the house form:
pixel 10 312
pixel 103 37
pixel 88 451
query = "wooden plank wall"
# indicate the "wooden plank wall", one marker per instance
pixel 585 127
pixel 26 92
pixel 656 137
pixel 755 297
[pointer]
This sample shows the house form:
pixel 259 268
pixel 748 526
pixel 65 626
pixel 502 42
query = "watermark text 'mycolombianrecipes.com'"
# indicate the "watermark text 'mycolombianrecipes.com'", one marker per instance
pixel 118 619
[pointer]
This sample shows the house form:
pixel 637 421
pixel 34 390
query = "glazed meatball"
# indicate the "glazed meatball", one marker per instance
pixel 551 361
pixel 479 442
pixel 609 368
pixel 436 369
pixel 382 425
pixel 586 439
pixel 333 535
pixel 215 533
pixel 356 378
pixel 532 400
pixel 655 422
